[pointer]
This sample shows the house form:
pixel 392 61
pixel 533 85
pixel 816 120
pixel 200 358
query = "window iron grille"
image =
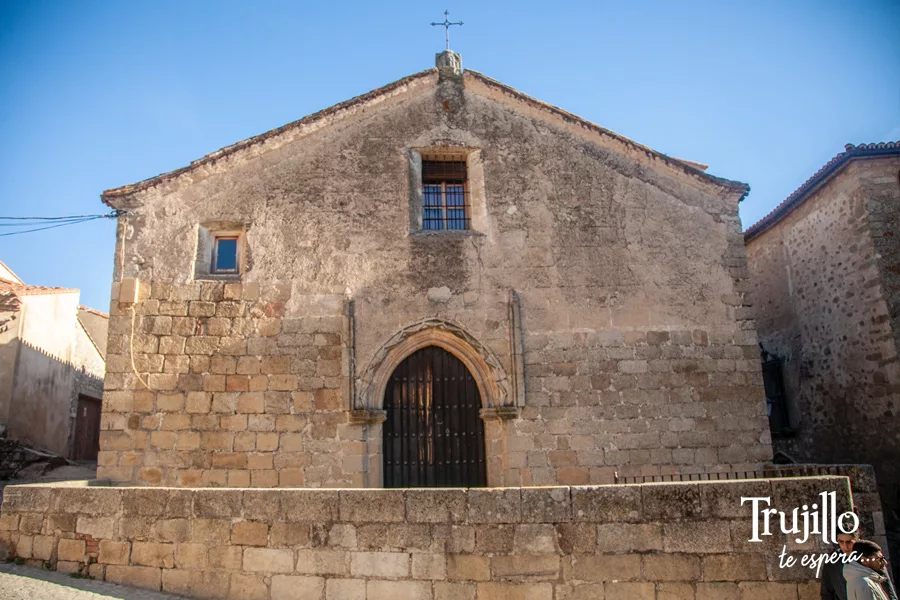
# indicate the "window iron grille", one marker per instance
pixel 446 196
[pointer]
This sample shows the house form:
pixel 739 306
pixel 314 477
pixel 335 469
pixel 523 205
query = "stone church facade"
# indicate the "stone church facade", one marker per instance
pixel 439 281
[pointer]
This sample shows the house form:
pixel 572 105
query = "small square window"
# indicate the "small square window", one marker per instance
pixel 445 203
pixel 225 255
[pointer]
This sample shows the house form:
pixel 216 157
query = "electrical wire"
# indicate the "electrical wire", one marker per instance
pixel 108 215
pixel 55 222
pixel 48 227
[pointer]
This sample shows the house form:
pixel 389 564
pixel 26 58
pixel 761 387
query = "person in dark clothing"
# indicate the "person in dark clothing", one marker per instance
pixel 834 587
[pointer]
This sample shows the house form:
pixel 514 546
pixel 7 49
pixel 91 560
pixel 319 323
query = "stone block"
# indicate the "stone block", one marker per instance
pixel 628 537
pixel 261 505
pixel 172 530
pixel 674 591
pixel 607 567
pixel 718 591
pixel 671 567
pixel 494 539
pixel 152 554
pixel 788 493
pixel 345 589
pixel 342 536
pixel 495 505
pixel 580 538
pixel 323 562
pixel 546 505
pixel 722 499
pixel 629 591
pixel 445 590
pixel 607 504
pixel 398 590
pixel 535 539
pixel 372 505
pixel 20 547
pixel 247 533
pixel 429 566
pixel 195 584
pixel 42 547
pixel 409 536
pixel 211 504
pixel 246 586
pixel 517 591
pixel 10 522
pixel 31 523
pixel 191 556
pixel 227 558
pixel 90 501
pixel 468 567
pixel 767 590
pixel 72 550
pixel 379 564
pixel 697 537
pixel 310 506
pixel 289 534
pixel 733 567
pixel 268 560
pixel 211 531
pixel 143 577
pixel 68 566
pixel 436 505
pixel 670 501
pixel 297 587
pixel 525 567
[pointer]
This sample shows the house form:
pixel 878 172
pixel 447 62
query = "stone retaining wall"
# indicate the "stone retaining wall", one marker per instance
pixel 658 541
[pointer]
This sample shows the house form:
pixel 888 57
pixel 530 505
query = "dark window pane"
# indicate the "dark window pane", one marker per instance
pixel 226 254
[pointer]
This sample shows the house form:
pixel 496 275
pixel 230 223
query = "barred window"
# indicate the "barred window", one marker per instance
pixel 446 198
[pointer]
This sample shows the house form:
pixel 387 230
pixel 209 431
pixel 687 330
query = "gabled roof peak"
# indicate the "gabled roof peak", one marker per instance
pixel 449 66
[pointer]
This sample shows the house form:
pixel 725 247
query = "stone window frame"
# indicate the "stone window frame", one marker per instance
pixel 207 234
pixel 474 159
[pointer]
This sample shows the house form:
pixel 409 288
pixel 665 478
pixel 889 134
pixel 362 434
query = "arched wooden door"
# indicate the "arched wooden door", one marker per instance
pixel 433 435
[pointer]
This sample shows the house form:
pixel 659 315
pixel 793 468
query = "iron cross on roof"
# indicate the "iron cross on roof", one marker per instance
pixel 447 25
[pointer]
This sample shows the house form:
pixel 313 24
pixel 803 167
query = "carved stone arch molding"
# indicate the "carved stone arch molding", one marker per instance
pixel 489 374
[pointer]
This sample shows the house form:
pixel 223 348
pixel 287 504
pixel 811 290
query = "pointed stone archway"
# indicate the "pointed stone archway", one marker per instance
pixel 487 371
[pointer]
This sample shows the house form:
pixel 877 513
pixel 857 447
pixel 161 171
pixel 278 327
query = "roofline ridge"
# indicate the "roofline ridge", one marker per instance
pixel 729 184
pixel 212 157
pixel 818 179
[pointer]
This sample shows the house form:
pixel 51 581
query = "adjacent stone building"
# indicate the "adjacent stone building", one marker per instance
pixel 440 282
pixel 825 265
pixel 51 367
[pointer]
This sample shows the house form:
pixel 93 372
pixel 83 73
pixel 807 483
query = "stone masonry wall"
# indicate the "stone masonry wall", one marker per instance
pixel 824 286
pixel 686 541
pixel 638 343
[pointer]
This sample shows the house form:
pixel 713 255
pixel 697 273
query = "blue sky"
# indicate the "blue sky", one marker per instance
pixel 94 95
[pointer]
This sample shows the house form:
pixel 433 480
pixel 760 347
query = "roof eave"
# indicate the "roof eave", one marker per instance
pixel 819 179
pixel 112 197
pixel 735 187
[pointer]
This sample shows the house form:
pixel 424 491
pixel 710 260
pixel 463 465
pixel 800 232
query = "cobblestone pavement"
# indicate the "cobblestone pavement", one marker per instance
pixel 28 583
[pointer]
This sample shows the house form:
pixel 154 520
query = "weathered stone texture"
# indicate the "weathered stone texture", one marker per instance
pixel 826 281
pixel 353 551
pixel 638 352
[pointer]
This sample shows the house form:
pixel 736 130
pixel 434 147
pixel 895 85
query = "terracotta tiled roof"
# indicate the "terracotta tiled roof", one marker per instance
pixel 10 292
pixel 689 167
pixel 819 178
